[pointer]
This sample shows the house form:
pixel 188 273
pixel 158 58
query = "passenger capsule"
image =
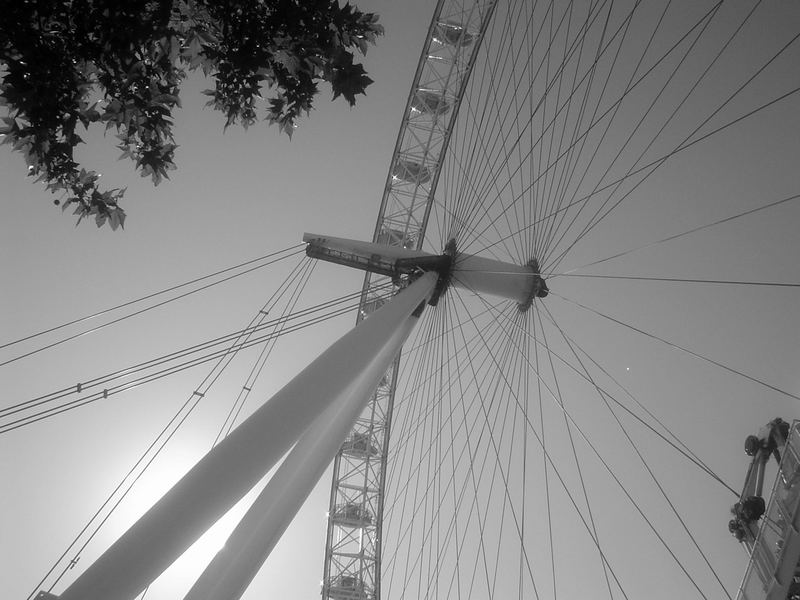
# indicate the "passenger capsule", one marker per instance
pixel 349 587
pixel 396 237
pixel 351 514
pixel 360 445
pixel 411 172
pixel 452 34
pixel 429 102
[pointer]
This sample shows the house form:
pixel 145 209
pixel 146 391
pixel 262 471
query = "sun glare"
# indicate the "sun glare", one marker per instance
pixel 160 477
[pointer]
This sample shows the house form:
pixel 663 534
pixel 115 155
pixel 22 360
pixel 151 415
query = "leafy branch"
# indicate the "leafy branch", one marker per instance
pixel 58 55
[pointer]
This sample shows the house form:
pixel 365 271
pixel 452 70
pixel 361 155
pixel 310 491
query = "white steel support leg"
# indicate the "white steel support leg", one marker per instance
pixel 233 568
pixel 238 462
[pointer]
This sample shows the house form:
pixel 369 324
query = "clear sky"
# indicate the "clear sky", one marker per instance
pixel 241 195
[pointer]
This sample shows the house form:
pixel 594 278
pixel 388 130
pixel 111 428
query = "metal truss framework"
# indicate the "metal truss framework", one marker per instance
pixel 353 547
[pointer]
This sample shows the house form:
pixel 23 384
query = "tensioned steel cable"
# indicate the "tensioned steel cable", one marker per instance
pixel 663 158
pixel 683 280
pixel 260 326
pixel 454 380
pixel 107 392
pixel 148 377
pixel 681 348
pixel 594 220
pixel 655 164
pixel 549 243
pixel 611 108
pixel 86 384
pixel 293 249
pixel 646 465
pixel 543 172
pixel 534 367
pixel 499 76
pixel 578 468
pixel 412 429
pixel 629 88
pixel 416 374
pixel 558 473
pixel 294 252
pixel 413 389
pixel 493 421
pixel 487 168
pixel 678 445
pixel 567 171
pixel 266 352
pixel 479 199
pixel 502 384
pixel 619 483
pixel 480 465
pixel 680 235
pixel 551 196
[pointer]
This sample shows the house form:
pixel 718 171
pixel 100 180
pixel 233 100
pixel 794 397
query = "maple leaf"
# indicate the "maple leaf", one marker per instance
pixel 290 62
pixel 349 80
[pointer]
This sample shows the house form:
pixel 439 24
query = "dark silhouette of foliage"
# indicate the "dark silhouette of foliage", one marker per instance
pixel 58 54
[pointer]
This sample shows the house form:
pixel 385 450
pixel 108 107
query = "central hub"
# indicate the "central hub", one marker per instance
pixel 442 264
pixel 539 289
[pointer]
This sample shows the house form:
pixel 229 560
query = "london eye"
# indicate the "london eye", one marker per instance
pixel 638 163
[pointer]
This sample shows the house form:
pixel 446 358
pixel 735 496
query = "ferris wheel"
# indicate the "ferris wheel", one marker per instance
pixel 637 162
pixel 520 450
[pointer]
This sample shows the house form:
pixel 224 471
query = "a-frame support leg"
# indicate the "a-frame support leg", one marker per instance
pixel 334 386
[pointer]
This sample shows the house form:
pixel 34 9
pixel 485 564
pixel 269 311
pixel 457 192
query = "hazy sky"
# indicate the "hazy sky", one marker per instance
pixel 244 194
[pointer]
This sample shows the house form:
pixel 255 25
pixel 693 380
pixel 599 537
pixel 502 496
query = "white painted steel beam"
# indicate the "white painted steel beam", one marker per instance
pixel 237 463
pixel 233 568
pixel 363 249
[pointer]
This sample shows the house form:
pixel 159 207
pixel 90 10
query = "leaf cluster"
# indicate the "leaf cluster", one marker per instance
pixel 121 64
